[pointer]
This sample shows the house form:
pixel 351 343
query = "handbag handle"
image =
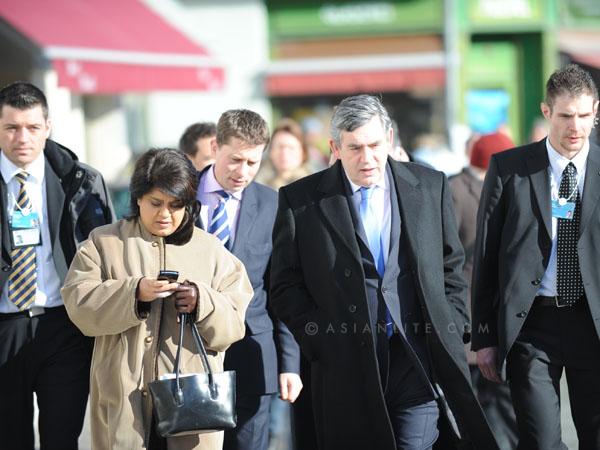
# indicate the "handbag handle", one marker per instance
pixel 183 319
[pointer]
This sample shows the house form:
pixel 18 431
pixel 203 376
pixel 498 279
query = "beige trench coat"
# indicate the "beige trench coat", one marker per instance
pixel 132 350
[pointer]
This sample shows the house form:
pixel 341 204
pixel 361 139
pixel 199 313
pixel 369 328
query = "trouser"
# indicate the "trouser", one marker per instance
pixel 411 407
pixel 252 430
pixel 47 355
pixel 553 339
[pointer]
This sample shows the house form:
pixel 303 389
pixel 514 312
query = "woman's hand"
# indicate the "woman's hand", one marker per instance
pixel 186 297
pixel 150 289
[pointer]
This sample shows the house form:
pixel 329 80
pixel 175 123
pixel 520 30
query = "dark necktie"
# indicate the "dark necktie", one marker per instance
pixel 219 224
pixel 568 276
pixel 22 282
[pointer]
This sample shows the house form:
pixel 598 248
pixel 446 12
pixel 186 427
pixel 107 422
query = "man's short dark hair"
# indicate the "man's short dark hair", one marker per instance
pixel 22 95
pixel 243 124
pixel 187 143
pixel 571 80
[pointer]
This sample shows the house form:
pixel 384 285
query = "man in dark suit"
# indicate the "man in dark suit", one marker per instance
pixel 49 202
pixel 241 213
pixel 536 281
pixel 366 273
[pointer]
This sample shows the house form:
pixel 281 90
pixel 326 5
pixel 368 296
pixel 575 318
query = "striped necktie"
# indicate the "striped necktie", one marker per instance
pixel 219 224
pixel 22 282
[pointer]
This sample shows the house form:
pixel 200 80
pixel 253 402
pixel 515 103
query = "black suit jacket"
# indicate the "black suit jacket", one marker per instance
pixel 318 290
pixel 268 348
pixel 513 246
pixel 77 202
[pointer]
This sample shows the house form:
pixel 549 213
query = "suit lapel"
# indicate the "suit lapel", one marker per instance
pixel 55 199
pixel 537 164
pixel 409 201
pixel 591 188
pixel 335 208
pixel 247 217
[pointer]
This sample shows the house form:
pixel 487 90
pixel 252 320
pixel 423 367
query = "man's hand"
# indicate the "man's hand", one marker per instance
pixel 290 386
pixel 486 360
pixel 150 289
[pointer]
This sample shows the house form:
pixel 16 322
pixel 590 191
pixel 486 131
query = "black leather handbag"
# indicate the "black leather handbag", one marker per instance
pixel 194 403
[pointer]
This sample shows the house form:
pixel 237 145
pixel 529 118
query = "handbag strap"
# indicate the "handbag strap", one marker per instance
pixel 183 319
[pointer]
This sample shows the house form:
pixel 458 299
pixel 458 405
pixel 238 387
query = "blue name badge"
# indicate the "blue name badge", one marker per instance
pixel 25 229
pixel 562 209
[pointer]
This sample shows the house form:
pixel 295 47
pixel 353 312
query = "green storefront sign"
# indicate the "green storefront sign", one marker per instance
pixel 305 19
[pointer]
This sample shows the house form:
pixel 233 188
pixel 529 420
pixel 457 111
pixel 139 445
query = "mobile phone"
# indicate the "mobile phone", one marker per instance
pixel 169 275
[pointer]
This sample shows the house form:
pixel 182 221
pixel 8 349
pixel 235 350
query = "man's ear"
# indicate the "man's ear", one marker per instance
pixel 546 110
pixel 213 146
pixel 334 149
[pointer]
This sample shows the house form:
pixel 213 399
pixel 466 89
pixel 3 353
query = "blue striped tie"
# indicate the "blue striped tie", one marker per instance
pixel 219 225
pixel 373 232
pixel 22 282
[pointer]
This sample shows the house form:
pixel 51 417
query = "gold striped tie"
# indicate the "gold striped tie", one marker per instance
pixel 22 282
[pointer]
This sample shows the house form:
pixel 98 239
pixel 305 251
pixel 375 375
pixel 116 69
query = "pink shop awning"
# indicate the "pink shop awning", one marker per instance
pixel 112 46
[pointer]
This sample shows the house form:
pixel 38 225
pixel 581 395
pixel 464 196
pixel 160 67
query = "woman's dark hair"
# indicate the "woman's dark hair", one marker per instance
pixel 171 172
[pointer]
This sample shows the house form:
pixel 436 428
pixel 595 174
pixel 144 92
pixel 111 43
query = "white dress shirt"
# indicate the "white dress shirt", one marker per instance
pixel 381 204
pixel 558 163
pixel 209 200
pixel 48 283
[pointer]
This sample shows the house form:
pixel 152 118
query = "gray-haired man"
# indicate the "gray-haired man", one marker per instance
pixel 367 274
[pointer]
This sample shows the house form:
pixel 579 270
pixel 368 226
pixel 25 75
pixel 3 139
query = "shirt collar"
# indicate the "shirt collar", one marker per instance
pixel 212 185
pixel 558 162
pixel 382 183
pixel 35 169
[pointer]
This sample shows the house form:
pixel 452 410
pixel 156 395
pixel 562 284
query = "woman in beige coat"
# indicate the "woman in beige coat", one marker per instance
pixel 111 292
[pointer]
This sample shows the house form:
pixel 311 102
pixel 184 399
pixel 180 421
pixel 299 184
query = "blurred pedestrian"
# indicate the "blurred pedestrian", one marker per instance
pixel 466 192
pixel 196 144
pixel 49 203
pixel 112 292
pixel 536 282
pixel 241 212
pixel 287 156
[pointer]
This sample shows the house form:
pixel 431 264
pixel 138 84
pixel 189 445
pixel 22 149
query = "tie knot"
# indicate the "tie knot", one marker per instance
pixel 366 192
pixel 224 195
pixel 22 177
pixel 570 169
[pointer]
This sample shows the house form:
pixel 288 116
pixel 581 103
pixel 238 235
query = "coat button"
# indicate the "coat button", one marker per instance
pixel 522 314
pixel 144 393
pixel 347 273
pixel 536 281
pixel 5 268
pixel 148 339
pixel 155 244
pixel 363 343
pixel 352 308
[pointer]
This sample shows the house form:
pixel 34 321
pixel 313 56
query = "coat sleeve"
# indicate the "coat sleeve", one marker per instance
pixel 288 352
pixel 95 305
pixel 222 303
pixel 290 299
pixel 485 287
pixel 454 282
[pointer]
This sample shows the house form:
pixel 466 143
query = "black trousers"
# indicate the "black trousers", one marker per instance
pixel 497 406
pixel 553 339
pixel 252 430
pixel 410 403
pixel 47 355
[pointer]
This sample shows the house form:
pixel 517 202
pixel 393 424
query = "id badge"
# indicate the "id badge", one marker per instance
pixel 25 229
pixel 561 209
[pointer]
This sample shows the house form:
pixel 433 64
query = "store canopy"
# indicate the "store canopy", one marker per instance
pixel 112 46
pixel 581 46
pixel 381 73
